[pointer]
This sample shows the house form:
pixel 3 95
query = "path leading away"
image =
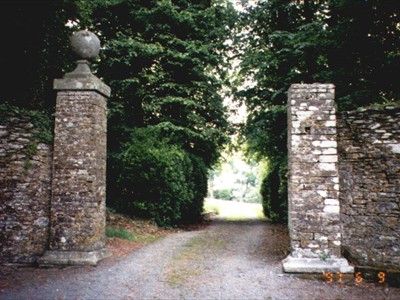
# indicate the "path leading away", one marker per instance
pixel 226 260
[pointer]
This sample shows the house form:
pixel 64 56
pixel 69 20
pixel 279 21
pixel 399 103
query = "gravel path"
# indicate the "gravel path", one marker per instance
pixel 226 260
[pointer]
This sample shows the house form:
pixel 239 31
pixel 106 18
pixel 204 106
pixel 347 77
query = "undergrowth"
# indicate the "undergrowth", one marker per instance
pixel 119 233
pixel 132 229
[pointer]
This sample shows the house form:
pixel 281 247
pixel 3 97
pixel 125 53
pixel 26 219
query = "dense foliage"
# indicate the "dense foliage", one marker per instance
pixel 164 61
pixel 160 180
pixel 351 43
pixel 35 50
pixel 165 64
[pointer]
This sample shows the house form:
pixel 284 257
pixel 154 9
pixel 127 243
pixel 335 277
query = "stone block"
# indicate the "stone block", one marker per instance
pixel 331 202
pixel 328 158
pixel 58 258
pixel 316 265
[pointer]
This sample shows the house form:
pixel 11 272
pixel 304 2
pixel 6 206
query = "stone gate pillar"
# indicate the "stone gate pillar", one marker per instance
pixel 77 216
pixel 314 210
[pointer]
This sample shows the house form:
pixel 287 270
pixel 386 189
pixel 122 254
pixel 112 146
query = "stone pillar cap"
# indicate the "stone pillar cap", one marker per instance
pixel 90 83
pixel 86 46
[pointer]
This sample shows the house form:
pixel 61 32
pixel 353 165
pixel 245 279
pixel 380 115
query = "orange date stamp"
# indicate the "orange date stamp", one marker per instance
pixel 358 278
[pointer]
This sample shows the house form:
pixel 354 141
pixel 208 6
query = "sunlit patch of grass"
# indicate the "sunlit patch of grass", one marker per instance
pixel 235 211
pixel 260 213
pixel 211 207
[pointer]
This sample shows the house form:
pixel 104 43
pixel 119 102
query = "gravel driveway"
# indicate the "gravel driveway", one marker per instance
pixel 226 260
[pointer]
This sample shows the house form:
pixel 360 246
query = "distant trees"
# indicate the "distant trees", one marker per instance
pixel 235 180
pixel 354 44
pixel 223 194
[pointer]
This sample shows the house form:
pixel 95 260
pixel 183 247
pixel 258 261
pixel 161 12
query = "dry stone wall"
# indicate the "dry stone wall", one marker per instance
pixel 369 165
pixel 25 177
pixel 344 181
pixel 356 161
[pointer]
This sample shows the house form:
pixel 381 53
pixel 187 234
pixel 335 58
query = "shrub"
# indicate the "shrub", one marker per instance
pixel 197 179
pixel 158 180
pixel 274 192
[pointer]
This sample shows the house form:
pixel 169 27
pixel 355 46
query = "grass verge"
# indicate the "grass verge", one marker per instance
pixel 125 234
pixel 119 233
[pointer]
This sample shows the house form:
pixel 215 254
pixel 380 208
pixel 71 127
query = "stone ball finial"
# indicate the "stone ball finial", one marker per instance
pixel 85 44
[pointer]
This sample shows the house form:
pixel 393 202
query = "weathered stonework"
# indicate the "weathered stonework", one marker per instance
pixel 369 165
pixel 314 210
pixel 58 205
pixel 78 187
pixel 314 179
pixel 25 175
pixel 77 213
pixel 77 232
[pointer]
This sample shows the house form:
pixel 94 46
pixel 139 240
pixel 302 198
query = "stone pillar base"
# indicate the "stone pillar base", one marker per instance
pixel 70 258
pixel 316 265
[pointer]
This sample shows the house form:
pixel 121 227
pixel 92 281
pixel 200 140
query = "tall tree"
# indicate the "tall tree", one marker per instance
pixel 35 50
pixel 363 51
pixel 164 61
pixel 351 43
pixel 165 64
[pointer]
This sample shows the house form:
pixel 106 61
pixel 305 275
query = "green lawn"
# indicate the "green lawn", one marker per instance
pixel 231 210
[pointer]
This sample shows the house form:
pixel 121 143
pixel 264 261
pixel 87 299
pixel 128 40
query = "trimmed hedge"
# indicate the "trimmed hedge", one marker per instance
pixel 274 192
pixel 158 180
